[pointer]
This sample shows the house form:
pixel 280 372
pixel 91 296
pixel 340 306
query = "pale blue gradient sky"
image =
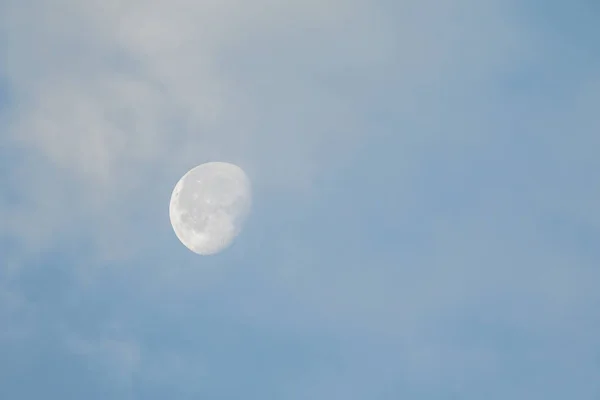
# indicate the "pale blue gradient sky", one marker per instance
pixel 425 221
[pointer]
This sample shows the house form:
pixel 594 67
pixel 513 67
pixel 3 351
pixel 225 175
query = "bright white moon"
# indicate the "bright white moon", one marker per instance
pixel 209 205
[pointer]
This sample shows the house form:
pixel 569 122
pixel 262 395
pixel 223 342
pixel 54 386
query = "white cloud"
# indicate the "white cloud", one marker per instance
pixel 111 98
pixel 109 91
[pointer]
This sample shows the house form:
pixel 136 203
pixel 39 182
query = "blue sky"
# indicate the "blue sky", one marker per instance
pixel 425 221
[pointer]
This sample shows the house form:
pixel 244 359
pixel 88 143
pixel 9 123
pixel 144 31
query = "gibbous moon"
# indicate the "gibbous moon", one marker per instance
pixel 209 205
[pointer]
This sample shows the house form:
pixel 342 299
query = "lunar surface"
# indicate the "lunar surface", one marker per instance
pixel 209 205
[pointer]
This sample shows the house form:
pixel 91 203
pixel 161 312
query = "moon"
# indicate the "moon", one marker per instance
pixel 209 206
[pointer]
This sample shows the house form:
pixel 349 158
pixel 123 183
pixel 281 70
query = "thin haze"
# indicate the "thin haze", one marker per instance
pixel 425 221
